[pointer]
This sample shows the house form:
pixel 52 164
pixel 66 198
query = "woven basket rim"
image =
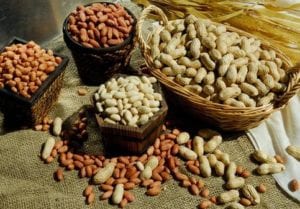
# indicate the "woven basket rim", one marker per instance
pixel 209 105
pixel 101 49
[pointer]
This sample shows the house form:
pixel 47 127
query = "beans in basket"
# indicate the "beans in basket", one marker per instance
pixel 219 65
pixel 128 100
pixel 24 67
pixel 100 25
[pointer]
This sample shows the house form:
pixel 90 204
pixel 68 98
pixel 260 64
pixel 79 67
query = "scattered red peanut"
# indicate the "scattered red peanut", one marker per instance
pixel 294 185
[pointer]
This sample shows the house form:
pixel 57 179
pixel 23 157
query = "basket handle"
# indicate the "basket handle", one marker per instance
pixel 145 14
pixel 293 87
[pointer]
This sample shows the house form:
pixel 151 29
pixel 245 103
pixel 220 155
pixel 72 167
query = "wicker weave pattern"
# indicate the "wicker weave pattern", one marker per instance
pixel 222 116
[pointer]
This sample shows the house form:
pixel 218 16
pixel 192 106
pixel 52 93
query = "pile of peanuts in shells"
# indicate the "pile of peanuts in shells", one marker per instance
pixel 100 25
pixel 172 150
pixel 24 67
pixel 221 66
pixel 130 100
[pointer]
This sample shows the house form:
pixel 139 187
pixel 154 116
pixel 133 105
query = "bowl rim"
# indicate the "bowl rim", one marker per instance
pixel 101 49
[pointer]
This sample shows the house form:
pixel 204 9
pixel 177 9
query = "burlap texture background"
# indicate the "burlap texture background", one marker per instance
pixel 26 182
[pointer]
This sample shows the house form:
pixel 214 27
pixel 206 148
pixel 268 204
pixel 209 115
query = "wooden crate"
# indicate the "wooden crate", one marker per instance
pixel 121 139
pixel 24 111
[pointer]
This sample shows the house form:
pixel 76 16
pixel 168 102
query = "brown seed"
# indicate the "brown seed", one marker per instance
pixel 156 143
pixel 245 174
pixel 261 188
pixel 71 167
pixel 193 169
pixel 171 163
pixel 135 175
pixel 120 165
pixel 175 149
pixel 153 191
pixel 49 159
pixel 136 181
pixel 78 157
pixel 98 162
pixel 88 190
pixel 185 183
pixel 156 176
pixel 180 176
pixel 66 162
pixel 88 162
pixel 155 184
pixel 91 198
pixel 116 173
pixel 123 203
pixel 279 159
pixel 200 184
pixel 82 91
pixel 147 182
pixel 54 153
pixel 245 201
pixel 121 181
pixel 294 185
pixel 59 174
pixel 78 164
pixel 63 149
pixel 204 192
pixel 129 185
pixel 157 152
pixel 143 158
pixel 69 155
pixel 239 170
pixel 124 160
pixel 170 136
pixel 213 199
pixel 106 195
pixel 89 171
pixel 193 180
pixel 110 181
pixel 130 172
pixel 129 196
pixel 82 172
pixel 205 204
pixel 123 172
pixel 194 190
pixel 165 175
pixel 45 127
pixel 106 187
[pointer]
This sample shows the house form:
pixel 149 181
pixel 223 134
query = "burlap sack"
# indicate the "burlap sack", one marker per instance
pixel 27 183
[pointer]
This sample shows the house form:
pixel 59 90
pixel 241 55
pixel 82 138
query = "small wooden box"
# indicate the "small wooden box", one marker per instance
pixel 23 111
pixel 121 139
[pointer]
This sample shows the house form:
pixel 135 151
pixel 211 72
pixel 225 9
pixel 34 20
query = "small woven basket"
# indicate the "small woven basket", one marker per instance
pixel 96 65
pixel 222 116
pixel 19 110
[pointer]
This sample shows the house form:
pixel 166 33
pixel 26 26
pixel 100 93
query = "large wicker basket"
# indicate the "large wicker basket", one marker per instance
pixel 225 117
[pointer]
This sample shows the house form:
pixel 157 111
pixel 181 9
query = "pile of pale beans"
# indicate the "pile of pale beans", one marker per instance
pixel 130 101
pixel 219 65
